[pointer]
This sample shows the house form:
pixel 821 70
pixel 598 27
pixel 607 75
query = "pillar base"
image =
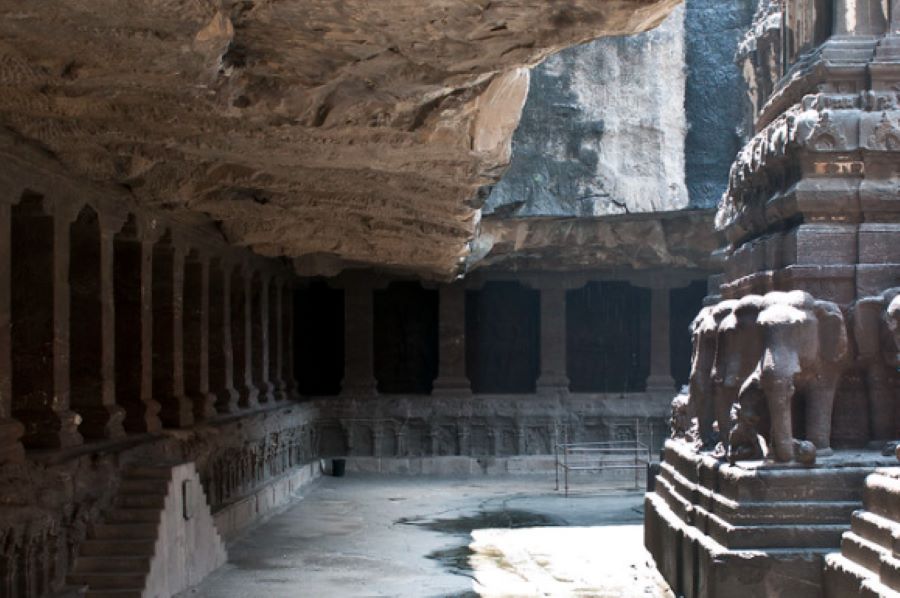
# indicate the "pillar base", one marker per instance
pixel 204 406
pixel 101 422
pixel 552 383
pixel 360 389
pixel 177 412
pixel 226 400
pixel 661 384
pixel 248 397
pixel 456 387
pixel 48 429
pixel 142 417
pixel 266 393
pixel 11 449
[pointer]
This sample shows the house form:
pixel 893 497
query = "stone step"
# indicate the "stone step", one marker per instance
pixel 126 593
pixel 862 552
pixel 108 581
pixel 97 547
pixel 144 501
pixel 133 515
pixel 882 495
pixel 889 572
pixel 125 531
pixel 843 577
pixel 738 537
pixel 110 564
pixel 144 486
pixel 877 529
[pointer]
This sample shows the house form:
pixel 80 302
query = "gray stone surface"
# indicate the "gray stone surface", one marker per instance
pixel 601 131
pixel 365 535
pixel 714 91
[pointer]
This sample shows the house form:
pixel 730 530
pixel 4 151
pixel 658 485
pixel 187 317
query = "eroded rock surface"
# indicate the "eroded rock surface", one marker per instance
pixel 361 130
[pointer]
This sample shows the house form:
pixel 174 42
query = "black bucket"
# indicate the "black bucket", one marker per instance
pixel 337 467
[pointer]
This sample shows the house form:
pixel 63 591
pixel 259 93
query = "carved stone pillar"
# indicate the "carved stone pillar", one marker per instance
pixel 287 347
pixel 260 336
pixel 859 18
pixel 196 336
pixel 40 324
pixel 452 378
pixel 133 297
pixel 660 378
pixel 241 338
pixel 553 375
pixel 221 366
pixel 11 450
pixel 168 335
pixel 276 339
pixel 359 376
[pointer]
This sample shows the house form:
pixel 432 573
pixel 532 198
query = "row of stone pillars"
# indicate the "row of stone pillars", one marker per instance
pixel 114 323
pixel 359 372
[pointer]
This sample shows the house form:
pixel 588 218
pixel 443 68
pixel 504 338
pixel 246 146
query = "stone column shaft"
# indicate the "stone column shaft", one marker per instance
pixel 114 414
pixel 151 417
pixel 11 431
pixel 276 342
pixel 452 342
pixel 859 18
pixel 266 387
pixel 196 341
pixel 359 372
pixel 221 356
pixel 660 377
pixel 288 374
pixel 67 433
pixel 553 374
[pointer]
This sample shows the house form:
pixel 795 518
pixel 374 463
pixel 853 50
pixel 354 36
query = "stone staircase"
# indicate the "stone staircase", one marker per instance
pixel 868 565
pixel 115 559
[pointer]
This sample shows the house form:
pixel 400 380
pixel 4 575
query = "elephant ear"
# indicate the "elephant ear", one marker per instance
pixel 832 332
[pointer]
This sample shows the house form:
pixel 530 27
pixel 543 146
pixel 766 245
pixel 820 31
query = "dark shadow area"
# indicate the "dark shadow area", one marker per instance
pixel 503 338
pixel 684 305
pixel 608 337
pixel 319 339
pixel 405 338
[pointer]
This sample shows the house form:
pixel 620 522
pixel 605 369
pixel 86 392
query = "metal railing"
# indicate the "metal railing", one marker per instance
pixel 614 455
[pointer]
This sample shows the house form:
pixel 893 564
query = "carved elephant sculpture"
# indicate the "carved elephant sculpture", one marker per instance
pixel 804 350
pixel 704 330
pixel 875 324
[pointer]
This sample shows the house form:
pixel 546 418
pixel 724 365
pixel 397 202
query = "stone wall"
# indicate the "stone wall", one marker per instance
pixel 602 131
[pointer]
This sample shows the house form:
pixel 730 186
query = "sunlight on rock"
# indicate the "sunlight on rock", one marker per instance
pixel 607 562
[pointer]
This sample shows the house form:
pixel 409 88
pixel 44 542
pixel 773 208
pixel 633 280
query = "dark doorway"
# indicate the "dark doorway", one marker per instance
pixel 608 337
pixel 319 339
pixel 503 338
pixel 406 338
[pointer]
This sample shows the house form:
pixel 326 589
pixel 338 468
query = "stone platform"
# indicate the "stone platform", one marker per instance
pixel 751 529
pixel 868 565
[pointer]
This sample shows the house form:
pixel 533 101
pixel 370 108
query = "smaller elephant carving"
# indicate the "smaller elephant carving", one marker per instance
pixel 875 323
pixel 804 350
pixel 681 422
pixel 704 337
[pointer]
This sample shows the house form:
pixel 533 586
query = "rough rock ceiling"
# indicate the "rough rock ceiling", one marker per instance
pixel 358 130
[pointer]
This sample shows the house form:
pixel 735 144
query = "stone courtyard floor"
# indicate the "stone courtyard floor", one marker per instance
pixel 374 535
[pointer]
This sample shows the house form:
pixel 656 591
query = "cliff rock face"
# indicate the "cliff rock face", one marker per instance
pixel 602 131
pixel 350 129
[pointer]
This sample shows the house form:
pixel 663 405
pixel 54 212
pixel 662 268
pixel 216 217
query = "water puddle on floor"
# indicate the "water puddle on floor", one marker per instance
pixel 457 559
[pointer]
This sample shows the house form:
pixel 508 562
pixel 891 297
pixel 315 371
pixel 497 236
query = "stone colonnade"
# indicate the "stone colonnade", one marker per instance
pixel 113 322
pixel 452 380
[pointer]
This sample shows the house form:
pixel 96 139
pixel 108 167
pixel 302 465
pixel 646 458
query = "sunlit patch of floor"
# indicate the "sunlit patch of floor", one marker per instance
pixel 362 536
pixel 607 562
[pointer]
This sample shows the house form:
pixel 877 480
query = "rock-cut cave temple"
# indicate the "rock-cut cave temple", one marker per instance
pixel 251 250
